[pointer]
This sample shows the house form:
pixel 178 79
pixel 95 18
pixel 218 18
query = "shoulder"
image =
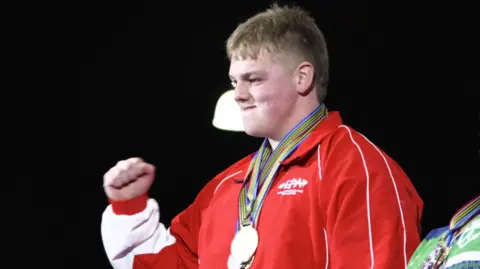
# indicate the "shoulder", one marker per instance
pixel 436 233
pixel 204 197
pixel 347 147
pixel 351 158
pixel 348 140
pixel 427 246
pixel 234 171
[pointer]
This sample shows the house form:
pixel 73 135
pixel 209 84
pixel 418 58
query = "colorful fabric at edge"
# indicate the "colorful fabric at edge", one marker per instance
pixel 464 252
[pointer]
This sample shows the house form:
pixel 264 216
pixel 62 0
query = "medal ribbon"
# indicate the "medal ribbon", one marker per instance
pixel 464 215
pixel 437 258
pixel 265 164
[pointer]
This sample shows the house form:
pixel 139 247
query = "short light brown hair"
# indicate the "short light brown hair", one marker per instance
pixel 287 30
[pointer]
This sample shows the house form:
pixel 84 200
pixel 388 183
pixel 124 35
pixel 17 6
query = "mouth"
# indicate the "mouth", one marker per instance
pixel 248 108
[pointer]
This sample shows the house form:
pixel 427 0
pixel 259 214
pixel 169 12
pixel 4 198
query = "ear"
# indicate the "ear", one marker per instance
pixel 305 75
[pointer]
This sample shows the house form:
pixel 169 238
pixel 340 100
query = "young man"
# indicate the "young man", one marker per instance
pixel 317 194
pixel 452 247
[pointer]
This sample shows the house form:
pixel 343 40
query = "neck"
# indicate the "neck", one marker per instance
pixel 291 124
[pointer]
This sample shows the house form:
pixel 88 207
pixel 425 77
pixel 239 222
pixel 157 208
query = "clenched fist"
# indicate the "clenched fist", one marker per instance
pixel 128 179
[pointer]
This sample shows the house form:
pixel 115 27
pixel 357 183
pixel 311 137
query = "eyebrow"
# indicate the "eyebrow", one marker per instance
pixel 247 75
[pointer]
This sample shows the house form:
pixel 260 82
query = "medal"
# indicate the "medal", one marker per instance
pixel 232 263
pixel 244 244
pixel 260 177
pixel 437 258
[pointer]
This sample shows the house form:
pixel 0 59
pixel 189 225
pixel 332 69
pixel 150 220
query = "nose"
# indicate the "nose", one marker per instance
pixel 241 93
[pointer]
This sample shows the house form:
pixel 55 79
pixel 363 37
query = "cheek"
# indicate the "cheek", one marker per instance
pixel 273 94
pixel 277 104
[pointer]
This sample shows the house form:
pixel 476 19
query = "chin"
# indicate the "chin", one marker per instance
pixel 255 131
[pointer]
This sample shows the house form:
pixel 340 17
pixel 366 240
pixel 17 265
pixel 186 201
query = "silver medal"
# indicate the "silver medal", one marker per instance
pixel 232 263
pixel 244 244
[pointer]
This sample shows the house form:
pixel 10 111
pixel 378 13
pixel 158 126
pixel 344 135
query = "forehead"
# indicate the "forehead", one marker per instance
pixel 239 67
pixel 265 63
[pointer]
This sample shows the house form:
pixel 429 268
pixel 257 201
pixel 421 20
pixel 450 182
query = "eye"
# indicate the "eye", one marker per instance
pixel 254 80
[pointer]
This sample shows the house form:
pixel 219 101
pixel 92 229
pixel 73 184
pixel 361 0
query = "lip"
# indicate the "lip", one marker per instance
pixel 247 108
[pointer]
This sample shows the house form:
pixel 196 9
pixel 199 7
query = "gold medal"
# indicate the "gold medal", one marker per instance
pixel 244 244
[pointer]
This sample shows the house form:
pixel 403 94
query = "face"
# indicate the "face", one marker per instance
pixel 266 92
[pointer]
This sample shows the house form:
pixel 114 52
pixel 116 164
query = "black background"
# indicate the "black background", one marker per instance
pixel 120 79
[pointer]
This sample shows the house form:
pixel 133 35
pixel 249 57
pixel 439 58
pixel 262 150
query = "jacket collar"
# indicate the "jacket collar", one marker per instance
pixel 315 138
pixel 327 126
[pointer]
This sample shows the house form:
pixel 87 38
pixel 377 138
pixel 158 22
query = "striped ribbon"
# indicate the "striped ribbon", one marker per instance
pixel 437 258
pixel 464 215
pixel 265 164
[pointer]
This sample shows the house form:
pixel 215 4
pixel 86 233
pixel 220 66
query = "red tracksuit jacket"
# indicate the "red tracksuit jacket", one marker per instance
pixel 337 202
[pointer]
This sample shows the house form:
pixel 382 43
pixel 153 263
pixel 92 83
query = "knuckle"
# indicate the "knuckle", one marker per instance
pixel 135 160
pixel 123 165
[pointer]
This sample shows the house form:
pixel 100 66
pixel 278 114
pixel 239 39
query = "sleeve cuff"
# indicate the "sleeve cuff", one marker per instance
pixel 130 207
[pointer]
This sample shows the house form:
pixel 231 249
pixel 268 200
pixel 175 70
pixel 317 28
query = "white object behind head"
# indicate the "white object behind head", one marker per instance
pixel 227 115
